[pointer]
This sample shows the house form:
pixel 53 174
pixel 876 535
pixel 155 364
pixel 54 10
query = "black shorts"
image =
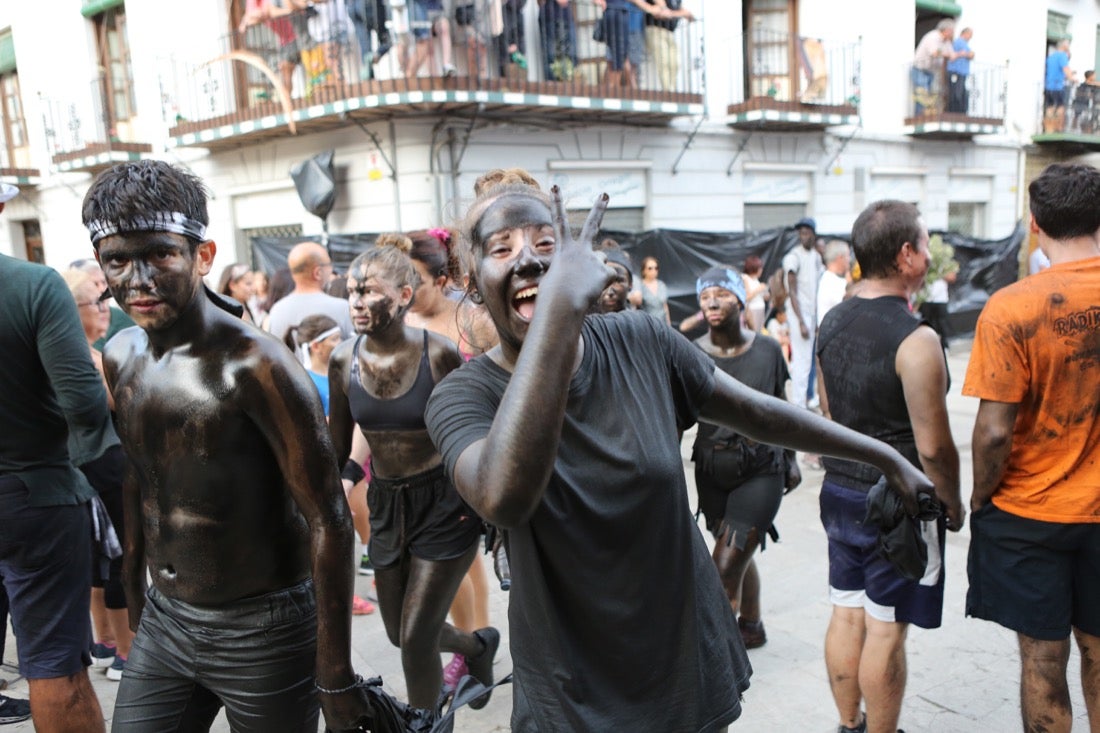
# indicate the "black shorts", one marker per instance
pixel 45 564
pixel 753 502
pixel 255 657
pixel 1054 98
pixel 420 515
pixel 1036 578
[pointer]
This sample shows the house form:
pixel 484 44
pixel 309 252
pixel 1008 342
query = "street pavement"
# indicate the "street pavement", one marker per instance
pixel 962 677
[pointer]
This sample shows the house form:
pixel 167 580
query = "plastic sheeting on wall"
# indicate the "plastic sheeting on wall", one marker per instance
pixel 984 265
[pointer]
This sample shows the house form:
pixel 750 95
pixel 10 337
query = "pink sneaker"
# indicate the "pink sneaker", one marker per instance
pixel 361 607
pixel 454 671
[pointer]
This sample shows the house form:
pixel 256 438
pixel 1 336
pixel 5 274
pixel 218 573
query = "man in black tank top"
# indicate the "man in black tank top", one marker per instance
pixel 885 376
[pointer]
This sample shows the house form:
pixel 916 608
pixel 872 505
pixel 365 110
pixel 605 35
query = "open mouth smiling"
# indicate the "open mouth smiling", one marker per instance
pixel 524 302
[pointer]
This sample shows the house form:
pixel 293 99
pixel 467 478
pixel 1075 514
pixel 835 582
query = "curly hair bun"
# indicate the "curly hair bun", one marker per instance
pixel 396 240
pixel 504 177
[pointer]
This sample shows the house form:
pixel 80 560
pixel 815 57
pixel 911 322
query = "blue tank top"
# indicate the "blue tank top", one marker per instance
pixel 405 412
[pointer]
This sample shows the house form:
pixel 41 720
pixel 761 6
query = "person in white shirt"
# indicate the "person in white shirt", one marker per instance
pixel 834 281
pixel 803 267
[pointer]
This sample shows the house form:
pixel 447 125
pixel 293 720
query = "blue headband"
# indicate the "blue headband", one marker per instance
pixel 721 277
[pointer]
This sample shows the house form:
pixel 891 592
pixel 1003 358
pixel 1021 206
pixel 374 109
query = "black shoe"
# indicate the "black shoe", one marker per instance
pixel 13 710
pixel 481 666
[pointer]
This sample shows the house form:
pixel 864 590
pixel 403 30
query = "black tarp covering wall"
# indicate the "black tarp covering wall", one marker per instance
pixel 984 265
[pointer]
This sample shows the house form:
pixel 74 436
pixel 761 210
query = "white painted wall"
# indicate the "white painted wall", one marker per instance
pixel 251 185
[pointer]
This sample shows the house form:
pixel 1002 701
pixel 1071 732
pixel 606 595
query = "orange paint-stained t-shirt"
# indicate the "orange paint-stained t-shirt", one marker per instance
pixel 1038 344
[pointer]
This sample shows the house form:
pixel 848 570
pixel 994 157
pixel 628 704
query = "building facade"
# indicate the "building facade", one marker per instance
pixel 755 114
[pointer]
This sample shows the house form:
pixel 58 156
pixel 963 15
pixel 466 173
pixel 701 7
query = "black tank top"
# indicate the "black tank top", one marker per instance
pixel 857 345
pixel 405 412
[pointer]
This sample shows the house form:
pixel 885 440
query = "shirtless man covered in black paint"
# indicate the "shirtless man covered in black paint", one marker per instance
pixel 233 481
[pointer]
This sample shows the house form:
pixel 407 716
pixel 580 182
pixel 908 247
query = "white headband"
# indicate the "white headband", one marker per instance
pixel 157 221
pixel 303 349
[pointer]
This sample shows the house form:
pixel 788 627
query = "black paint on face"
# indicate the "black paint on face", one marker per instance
pixel 514 211
pixel 515 244
pixel 153 276
pixel 374 301
pixel 613 298
pixel 720 307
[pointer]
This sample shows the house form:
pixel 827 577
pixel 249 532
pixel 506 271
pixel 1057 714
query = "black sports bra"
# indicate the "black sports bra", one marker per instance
pixel 405 412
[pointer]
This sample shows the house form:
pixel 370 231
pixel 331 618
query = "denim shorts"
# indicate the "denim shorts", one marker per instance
pixel 256 657
pixel 46 566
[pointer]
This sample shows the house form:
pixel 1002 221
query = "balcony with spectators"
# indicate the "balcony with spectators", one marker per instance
pixel 1072 121
pixel 947 105
pixel 283 71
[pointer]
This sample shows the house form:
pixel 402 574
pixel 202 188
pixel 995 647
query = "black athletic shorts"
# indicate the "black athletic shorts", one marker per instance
pixel 753 502
pixel 421 515
pixel 1036 578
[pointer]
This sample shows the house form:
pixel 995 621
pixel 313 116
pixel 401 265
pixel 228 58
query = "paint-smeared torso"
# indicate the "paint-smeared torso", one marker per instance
pixel 219 522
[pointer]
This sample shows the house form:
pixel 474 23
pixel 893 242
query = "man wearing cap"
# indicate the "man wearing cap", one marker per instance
pixel 51 390
pixel 803 268
pixel 245 533
pixel 885 376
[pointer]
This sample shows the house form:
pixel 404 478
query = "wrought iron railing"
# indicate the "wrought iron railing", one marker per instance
pixel 781 69
pixel 273 65
pixel 937 93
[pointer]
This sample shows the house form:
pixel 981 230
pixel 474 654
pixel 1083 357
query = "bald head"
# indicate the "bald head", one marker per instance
pixel 310 267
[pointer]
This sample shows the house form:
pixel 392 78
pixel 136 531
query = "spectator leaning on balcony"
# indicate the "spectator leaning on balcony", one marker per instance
pixel 958 71
pixel 660 41
pixel 1054 88
pixel 368 15
pixel 558 34
pixel 287 20
pixel 935 45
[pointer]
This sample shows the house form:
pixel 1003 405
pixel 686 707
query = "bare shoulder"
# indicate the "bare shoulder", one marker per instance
pixel 443 355
pixel 920 355
pixel 341 355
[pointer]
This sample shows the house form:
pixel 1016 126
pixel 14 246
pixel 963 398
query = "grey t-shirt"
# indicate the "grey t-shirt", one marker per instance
pixel 618 619
pixel 293 308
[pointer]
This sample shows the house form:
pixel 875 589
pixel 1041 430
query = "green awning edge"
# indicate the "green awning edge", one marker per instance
pixel 943 7
pixel 7 52
pixel 95 7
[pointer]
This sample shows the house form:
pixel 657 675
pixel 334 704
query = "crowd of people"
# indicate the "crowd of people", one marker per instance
pixel 196 532
pixel 335 42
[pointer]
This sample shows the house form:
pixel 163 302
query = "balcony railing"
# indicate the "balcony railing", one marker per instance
pixel 315 68
pixel 947 105
pixel 1074 125
pixel 794 82
pixel 84 135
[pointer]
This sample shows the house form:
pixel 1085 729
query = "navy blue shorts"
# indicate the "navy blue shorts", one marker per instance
pixel 1036 578
pixel 860 577
pixel 420 515
pixel 256 656
pixel 46 566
